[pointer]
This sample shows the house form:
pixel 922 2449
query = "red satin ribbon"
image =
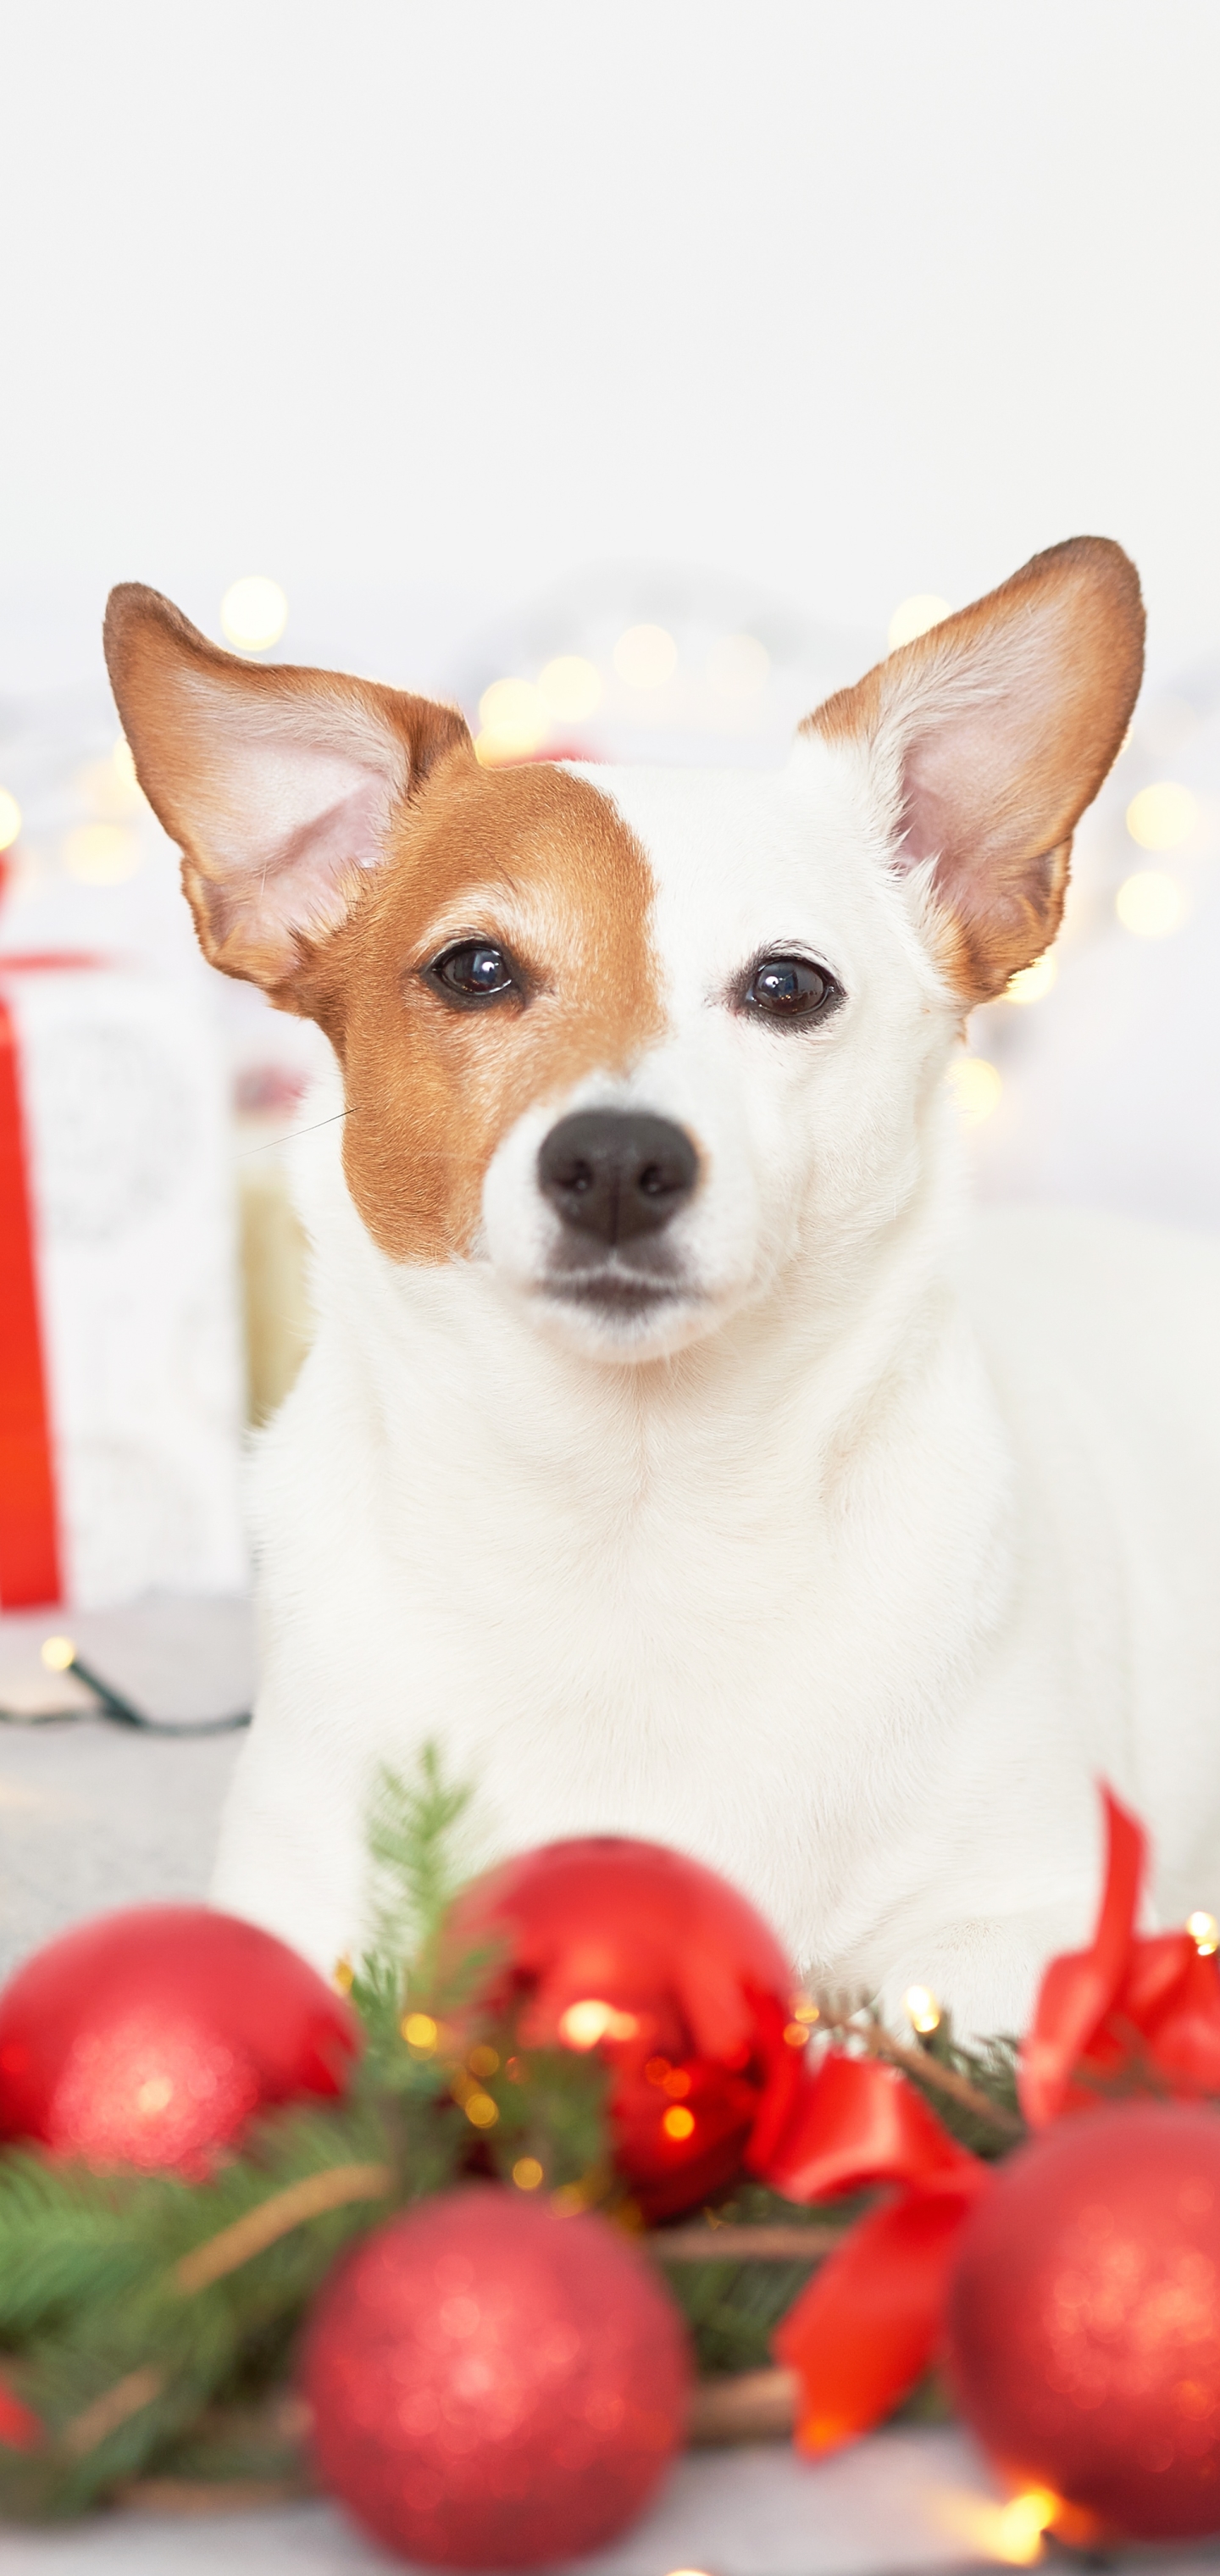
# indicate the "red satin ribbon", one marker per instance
pixel 1124 2005
pixel 29 1535
pixel 870 2322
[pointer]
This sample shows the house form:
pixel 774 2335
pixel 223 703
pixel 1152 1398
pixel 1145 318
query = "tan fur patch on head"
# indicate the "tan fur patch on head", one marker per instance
pixel 989 736
pixel 540 863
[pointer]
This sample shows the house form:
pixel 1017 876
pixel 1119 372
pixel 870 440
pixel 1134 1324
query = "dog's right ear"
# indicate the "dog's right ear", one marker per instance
pixel 278 784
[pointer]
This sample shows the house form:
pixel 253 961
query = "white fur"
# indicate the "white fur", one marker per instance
pixel 850 1571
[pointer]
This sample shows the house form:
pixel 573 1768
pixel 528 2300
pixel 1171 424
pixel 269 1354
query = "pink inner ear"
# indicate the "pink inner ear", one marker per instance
pixel 969 788
pixel 303 883
pixel 929 805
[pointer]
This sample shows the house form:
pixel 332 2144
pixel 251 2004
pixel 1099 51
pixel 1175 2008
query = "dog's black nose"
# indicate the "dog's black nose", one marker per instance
pixel 617 1172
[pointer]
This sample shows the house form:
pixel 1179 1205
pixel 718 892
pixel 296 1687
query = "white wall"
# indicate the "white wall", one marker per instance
pixel 452 295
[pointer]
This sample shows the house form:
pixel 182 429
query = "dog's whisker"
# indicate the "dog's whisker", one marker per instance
pixel 270 1142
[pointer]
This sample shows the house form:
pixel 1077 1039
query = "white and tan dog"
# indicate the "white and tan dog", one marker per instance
pixel 671 1449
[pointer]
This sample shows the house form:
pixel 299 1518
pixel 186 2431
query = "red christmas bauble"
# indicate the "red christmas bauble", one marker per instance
pixel 633 1949
pixel 150 2037
pixel 1085 2321
pixel 493 2386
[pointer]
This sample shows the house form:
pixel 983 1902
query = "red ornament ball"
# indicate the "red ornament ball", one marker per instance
pixel 635 1950
pixel 493 2386
pixel 1085 2321
pixel 151 2037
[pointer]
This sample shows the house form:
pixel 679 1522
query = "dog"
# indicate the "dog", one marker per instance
pixel 676 1450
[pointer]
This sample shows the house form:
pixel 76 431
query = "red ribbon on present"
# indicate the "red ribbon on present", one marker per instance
pixel 30 1563
pixel 29 1532
pixel 870 2322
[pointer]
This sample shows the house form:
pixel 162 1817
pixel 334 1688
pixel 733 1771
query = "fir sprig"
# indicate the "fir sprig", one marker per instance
pixel 149 2322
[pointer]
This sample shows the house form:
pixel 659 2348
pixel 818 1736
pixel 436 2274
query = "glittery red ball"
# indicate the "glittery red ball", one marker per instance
pixel 1085 2321
pixel 635 1950
pixel 152 2036
pixel 493 2386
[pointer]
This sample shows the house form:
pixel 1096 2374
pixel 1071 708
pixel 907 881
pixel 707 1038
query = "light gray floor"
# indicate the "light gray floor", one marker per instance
pixel 901 2503
pixel 93 1816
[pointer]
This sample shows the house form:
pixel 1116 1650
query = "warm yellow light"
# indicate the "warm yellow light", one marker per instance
pixel 528 2173
pixel 978 1087
pixel 804 2009
pixel 101 854
pixel 646 657
pixel 58 1653
pixel 514 719
pixel 10 819
pixel 1162 817
pixel 679 2122
pixel 253 613
pixel 483 2062
pixel 481 2111
pixel 739 665
pixel 796 2033
pixel 343 1975
pixel 916 616
pixel 1204 1932
pixel 1010 2533
pixel 1031 982
pixel 420 2032
pixel 923 2011
pixel 1151 904
pixel 571 687
pixel 583 2024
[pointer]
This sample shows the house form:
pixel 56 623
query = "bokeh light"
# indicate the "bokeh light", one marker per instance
pixel 571 687
pixel 253 613
pixel 977 1087
pixel 1151 904
pixel 739 665
pixel 10 819
pixel 1031 982
pixel 101 854
pixel 916 616
pixel 1162 817
pixel 513 720
pixel 923 2011
pixel 646 657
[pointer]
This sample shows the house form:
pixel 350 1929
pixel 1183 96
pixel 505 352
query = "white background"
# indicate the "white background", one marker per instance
pixel 853 300
pixel 424 306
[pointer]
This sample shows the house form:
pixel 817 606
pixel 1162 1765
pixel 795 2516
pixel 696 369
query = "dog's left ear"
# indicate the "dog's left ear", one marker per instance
pixel 279 784
pixel 988 737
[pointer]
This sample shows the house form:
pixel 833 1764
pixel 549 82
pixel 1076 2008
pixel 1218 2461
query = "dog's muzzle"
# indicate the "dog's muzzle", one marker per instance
pixel 617 1173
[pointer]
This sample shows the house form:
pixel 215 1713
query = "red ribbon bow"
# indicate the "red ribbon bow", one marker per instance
pixel 1127 2006
pixel 870 2322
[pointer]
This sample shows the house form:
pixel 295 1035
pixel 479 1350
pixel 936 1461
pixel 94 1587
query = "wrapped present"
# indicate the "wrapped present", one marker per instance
pixel 121 1371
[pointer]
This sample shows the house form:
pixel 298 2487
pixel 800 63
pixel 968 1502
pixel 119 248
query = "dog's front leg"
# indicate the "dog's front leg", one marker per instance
pixel 292 1850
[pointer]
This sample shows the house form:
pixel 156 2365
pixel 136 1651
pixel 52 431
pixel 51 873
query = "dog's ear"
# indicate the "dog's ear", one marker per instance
pixel 278 784
pixel 988 737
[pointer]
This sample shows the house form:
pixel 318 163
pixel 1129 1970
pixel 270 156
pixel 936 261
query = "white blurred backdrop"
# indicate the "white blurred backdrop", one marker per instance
pixel 623 372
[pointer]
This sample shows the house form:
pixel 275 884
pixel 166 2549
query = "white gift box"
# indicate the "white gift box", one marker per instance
pixel 122 1378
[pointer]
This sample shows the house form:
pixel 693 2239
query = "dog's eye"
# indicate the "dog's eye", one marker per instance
pixel 790 988
pixel 473 971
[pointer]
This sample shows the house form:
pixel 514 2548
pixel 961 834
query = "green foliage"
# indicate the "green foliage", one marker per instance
pixel 133 2375
pixel 137 2368
pixel 732 2308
